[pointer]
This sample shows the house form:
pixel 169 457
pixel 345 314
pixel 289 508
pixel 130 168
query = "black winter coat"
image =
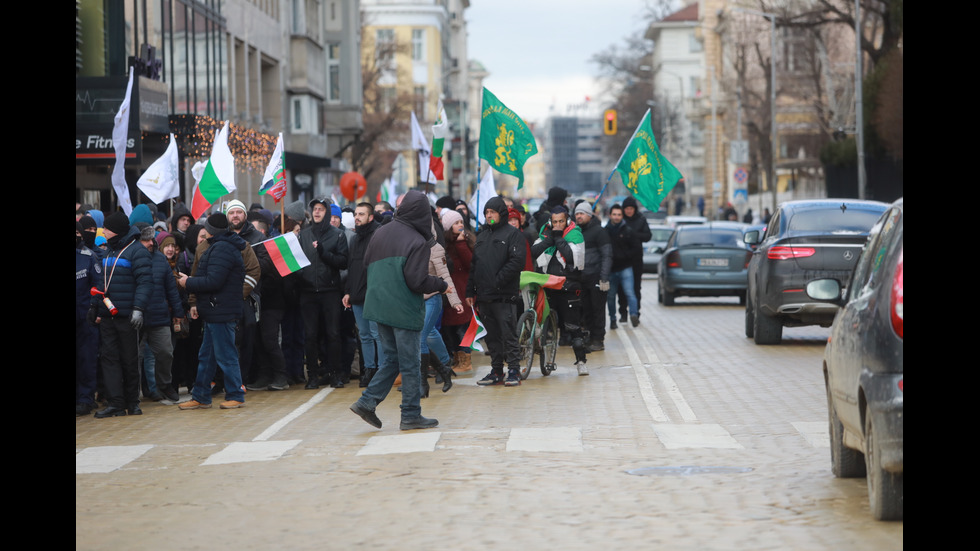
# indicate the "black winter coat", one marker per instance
pixel 165 302
pixel 127 267
pixel 219 279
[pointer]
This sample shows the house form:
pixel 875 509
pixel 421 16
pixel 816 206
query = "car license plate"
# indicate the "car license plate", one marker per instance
pixel 713 262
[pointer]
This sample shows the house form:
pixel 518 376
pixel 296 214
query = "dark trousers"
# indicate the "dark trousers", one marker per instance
pixel 594 311
pixel 86 354
pixel 120 361
pixel 271 364
pixel 569 306
pixel 313 306
pixel 500 321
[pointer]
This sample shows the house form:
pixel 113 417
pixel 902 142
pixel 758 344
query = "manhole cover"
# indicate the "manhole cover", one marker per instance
pixel 686 470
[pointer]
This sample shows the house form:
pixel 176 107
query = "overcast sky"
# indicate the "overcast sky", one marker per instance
pixel 537 51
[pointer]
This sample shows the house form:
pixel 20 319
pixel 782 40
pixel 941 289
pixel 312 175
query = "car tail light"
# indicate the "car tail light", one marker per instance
pixel 898 297
pixel 786 253
pixel 674 260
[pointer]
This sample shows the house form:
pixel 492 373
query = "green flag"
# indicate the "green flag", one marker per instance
pixel 645 172
pixel 505 140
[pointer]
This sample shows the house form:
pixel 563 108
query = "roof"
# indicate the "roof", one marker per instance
pixel 687 13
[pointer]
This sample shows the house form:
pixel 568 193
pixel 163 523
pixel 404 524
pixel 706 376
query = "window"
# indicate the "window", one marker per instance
pixel 333 73
pixel 418 44
pixel 388 95
pixel 299 125
pixel 420 102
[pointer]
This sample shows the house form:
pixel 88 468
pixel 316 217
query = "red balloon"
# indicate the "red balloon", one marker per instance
pixel 353 185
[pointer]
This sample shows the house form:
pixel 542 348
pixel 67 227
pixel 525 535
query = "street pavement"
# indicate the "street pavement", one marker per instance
pixel 685 435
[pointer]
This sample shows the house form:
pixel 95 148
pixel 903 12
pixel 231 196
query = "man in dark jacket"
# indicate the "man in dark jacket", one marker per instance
pixel 218 286
pixel 356 291
pixel 494 288
pixel 595 276
pixel 621 277
pixel 320 292
pixel 641 234
pixel 397 264
pixel 87 272
pixel 126 285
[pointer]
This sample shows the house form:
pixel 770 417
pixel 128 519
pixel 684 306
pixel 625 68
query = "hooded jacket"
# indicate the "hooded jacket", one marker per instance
pixel 498 258
pixel 397 264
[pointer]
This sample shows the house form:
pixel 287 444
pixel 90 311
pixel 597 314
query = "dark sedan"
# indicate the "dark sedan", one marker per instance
pixel 804 240
pixel 864 367
pixel 703 260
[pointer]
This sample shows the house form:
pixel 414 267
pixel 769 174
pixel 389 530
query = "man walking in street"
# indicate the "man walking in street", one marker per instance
pixel 621 277
pixel 356 291
pixel 122 296
pixel 595 276
pixel 641 233
pixel 218 286
pixel 397 264
pixel 494 288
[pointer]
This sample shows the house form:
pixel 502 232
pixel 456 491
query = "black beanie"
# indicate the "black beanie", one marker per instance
pixel 117 223
pixel 88 222
pixel 557 196
pixel 216 224
pixel 446 202
pixel 630 202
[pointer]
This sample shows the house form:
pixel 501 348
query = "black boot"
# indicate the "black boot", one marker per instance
pixel 424 373
pixel 444 372
pixel 367 375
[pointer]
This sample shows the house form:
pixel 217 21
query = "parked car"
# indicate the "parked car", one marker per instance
pixel 678 220
pixel 703 260
pixel 653 249
pixel 863 367
pixel 805 240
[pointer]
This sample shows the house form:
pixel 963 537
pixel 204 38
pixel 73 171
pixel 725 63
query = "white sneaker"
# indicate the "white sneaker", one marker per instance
pixel 582 370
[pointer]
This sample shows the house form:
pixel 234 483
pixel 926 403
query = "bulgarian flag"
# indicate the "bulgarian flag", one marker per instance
pixel 542 280
pixel 439 132
pixel 218 178
pixel 474 333
pixel 286 253
pixel 274 180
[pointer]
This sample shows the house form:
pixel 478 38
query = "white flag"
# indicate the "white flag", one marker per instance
pixel 120 134
pixel 162 180
pixel 484 193
pixel 422 147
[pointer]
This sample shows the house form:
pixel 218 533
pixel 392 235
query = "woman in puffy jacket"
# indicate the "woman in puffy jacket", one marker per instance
pixel 459 255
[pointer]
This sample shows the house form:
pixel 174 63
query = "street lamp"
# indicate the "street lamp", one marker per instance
pixel 772 99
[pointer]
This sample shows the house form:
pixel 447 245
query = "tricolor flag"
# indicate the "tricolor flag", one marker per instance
pixel 439 132
pixel 274 180
pixel 474 333
pixel 218 178
pixel 543 280
pixel 286 253
pixel 162 180
pixel 120 135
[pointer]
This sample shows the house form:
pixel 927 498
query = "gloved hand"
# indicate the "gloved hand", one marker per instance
pixel 93 314
pixel 136 319
pixel 604 286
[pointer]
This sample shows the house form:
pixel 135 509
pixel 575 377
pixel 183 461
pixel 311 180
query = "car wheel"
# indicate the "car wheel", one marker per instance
pixel 741 297
pixel 668 297
pixel 844 462
pixel 766 329
pixel 886 491
pixel 749 320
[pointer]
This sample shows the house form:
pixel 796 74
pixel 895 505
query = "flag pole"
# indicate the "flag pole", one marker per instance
pixel 621 155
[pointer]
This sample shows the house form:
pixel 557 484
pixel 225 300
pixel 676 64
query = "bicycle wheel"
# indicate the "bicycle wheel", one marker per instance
pixel 525 339
pixel 549 344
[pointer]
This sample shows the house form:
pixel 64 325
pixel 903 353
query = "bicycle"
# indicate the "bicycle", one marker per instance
pixel 537 330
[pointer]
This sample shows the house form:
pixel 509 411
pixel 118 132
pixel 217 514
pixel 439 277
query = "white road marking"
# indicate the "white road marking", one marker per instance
pixel 278 425
pixel 245 452
pixel 401 443
pixel 816 433
pixel 556 439
pixel 687 414
pixel 105 459
pixel 643 381
pixel 675 437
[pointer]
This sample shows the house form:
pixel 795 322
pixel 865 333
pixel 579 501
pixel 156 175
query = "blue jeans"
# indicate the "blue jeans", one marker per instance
pixel 401 349
pixel 371 349
pixel 622 278
pixel 218 350
pixel 431 337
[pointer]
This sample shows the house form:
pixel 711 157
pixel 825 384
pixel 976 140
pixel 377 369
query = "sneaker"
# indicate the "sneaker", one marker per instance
pixel 635 320
pixel 419 423
pixel 622 318
pixel 492 378
pixel 582 370
pixel 279 385
pixel 612 323
pixel 513 377
pixel 193 404
pixel 258 385
pixel 597 346
pixel 232 404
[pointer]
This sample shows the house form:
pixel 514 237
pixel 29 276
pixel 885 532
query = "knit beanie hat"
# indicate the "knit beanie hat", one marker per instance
pixel 216 224
pixel 630 202
pixel 98 217
pixel 335 210
pixel 450 217
pixel 117 223
pixel 236 204
pixel 88 222
pixel 557 196
pixel 297 211
pixel 164 239
pixel 585 207
pixel 446 202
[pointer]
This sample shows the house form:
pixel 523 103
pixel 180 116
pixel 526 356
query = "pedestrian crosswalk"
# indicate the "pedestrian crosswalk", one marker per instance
pixel 106 459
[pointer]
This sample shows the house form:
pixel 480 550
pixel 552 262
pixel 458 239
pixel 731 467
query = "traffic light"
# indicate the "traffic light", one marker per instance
pixel 609 122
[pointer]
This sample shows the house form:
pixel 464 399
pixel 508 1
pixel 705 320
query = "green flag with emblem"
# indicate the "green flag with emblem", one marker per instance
pixel 646 173
pixel 505 140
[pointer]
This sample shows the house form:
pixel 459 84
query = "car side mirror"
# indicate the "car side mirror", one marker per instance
pixel 826 290
pixel 751 237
